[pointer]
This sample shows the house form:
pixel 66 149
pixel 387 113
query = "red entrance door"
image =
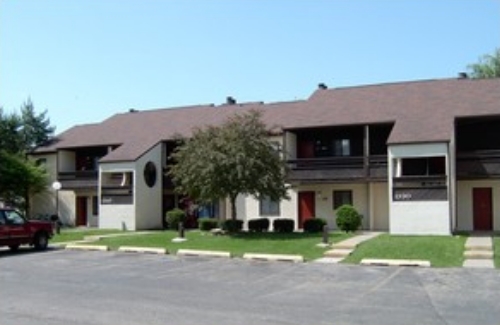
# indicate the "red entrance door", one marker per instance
pixel 482 208
pixel 306 207
pixel 81 211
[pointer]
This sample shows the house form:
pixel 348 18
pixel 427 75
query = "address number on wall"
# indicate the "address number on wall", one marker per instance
pixel 402 196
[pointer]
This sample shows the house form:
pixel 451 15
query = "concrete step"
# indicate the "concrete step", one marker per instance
pixel 479 248
pixel 344 246
pixel 338 252
pixel 475 263
pixel 479 243
pixel 478 254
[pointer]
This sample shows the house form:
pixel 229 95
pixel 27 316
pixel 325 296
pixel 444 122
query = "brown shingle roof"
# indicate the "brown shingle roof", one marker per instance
pixel 423 111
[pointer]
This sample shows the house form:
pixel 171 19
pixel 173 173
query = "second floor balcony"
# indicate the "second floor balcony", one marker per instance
pixel 87 179
pixel 332 169
pixel 478 164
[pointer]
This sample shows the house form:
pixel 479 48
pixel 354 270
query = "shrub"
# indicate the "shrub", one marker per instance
pixel 231 225
pixel 207 224
pixel 258 225
pixel 314 225
pixel 283 225
pixel 174 217
pixel 348 218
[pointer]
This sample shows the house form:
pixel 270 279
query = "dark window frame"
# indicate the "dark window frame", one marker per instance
pixel 95 205
pixel 268 207
pixel 339 198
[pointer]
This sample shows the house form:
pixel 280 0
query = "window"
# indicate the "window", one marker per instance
pixel 342 147
pixel 41 162
pixel 341 197
pixel 150 174
pixel 424 166
pixel 210 210
pixel 95 206
pixel 268 207
pixel 14 218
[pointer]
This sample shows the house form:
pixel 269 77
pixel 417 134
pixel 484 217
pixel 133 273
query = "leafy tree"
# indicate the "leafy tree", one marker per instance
pixel 487 67
pixel 19 135
pixel 220 162
pixel 20 179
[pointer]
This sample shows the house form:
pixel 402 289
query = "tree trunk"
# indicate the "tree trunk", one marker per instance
pixel 233 206
pixel 27 204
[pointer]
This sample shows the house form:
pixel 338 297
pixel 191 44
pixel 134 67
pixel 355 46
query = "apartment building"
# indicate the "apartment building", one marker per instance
pixel 419 157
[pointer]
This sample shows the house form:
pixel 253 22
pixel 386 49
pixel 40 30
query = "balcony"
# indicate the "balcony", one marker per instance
pixel 117 194
pixel 420 188
pixel 332 169
pixel 478 164
pixel 84 179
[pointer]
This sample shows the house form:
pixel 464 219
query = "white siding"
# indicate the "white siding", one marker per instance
pixel 418 217
pixel 149 199
pixel 117 216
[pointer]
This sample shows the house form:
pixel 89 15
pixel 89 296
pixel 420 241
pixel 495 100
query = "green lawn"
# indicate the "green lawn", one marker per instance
pixel 78 234
pixel 272 243
pixel 496 249
pixel 441 251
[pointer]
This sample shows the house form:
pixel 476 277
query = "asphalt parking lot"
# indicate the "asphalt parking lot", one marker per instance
pixel 68 287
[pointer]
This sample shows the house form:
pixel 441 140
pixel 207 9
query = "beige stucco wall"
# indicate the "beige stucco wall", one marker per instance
pixel 464 203
pixel 380 206
pixel 291 145
pixel 249 208
pixel 44 202
pixel 324 200
pixel 66 161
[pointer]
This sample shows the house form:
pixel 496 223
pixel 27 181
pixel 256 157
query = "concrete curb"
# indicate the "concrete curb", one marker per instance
pixel 87 247
pixel 387 262
pixel 145 250
pixel 193 252
pixel 274 257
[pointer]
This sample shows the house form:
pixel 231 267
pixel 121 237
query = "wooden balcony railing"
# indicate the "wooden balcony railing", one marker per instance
pixel 478 164
pixel 81 174
pixel 338 168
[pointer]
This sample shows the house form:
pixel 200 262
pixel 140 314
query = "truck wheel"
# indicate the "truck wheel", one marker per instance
pixel 14 247
pixel 41 241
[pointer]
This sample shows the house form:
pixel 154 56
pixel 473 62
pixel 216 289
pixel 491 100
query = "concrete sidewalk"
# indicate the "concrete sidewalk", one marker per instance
pixel 478 252
pixel 344 248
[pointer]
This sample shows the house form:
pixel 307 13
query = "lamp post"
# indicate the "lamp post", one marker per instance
pixel 57 186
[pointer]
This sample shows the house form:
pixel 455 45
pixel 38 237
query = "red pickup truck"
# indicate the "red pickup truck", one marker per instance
pixel 15 230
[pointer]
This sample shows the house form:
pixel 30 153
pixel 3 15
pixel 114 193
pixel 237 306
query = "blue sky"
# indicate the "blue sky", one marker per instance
pixel 85 60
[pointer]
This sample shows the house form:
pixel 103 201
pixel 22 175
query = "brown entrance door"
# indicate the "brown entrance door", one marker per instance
pixel 306 207
pixel 482 208
pixel 81 211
